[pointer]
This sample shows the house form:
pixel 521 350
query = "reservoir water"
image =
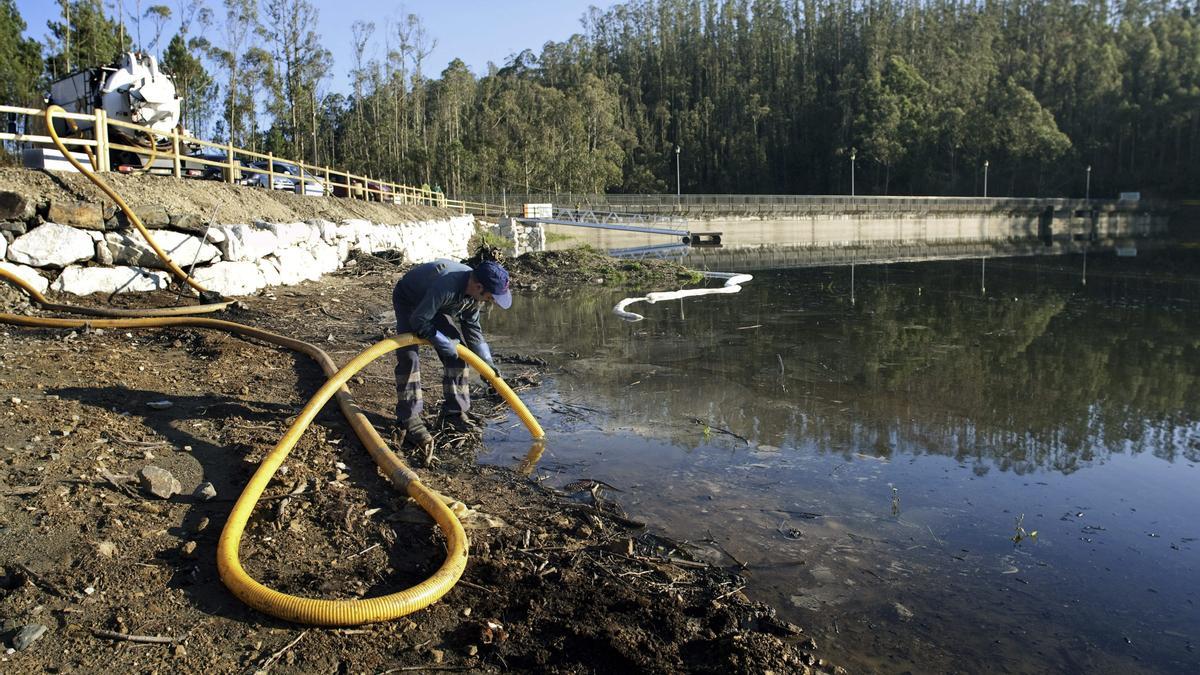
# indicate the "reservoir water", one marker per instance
pixel 937 467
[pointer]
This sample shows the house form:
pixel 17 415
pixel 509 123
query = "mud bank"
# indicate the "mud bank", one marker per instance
pixel 556 581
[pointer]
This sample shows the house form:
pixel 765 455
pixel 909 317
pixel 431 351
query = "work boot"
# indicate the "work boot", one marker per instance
pixel 458 423
pixel 415 433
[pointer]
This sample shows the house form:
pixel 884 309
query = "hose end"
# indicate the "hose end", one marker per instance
pixel 212 298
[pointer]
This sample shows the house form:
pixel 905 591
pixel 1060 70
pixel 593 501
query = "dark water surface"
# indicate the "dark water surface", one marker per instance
pixel 874 462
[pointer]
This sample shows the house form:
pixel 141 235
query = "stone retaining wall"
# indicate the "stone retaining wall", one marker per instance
pixel 232 259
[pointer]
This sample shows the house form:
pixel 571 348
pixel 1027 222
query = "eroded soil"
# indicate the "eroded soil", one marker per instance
pixel 555 582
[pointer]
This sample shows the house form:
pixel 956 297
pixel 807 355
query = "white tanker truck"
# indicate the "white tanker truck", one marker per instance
pixel 131 90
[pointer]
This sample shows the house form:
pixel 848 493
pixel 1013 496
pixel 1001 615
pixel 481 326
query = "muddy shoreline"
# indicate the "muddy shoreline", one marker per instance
pixel 556 581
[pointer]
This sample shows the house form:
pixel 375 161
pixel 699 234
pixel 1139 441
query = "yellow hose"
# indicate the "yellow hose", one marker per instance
pixel 293 608
pixel 307 610
pixel 44 303
pixel 133 217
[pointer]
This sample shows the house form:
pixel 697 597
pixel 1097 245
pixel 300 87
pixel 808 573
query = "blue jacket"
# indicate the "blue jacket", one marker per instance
pixel 440 287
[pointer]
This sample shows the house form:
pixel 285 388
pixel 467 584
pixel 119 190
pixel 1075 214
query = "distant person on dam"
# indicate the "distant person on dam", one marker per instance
pixel 426 299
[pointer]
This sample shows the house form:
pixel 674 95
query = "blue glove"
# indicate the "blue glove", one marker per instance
pixel 483 351
pixel 446 348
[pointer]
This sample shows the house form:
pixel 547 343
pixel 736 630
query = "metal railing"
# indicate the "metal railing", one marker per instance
pixel 733 204
pixel 233 163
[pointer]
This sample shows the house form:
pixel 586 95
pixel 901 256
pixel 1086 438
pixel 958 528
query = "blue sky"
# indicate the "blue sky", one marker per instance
pixel 477 31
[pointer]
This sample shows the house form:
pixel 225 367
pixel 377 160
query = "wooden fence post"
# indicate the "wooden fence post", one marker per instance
pixel 175 152
pixel 102 158
pixel 328 187
pixel 270 171
pixel 229 159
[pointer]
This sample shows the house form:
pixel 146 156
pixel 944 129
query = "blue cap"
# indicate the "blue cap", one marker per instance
pixel 495 281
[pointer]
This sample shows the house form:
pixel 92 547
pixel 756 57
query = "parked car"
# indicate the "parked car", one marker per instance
pixel 290 177
pixel 211 172
pixel 282 179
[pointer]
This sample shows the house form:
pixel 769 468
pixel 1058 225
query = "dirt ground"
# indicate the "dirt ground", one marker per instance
pixel 209 199
pixel 555 581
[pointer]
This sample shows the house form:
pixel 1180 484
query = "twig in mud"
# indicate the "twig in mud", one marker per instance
pixel 477 587
pixel 270 660
pixel 41 581
pixel 373 546
pixel 150 639
pixel 726 595
pixel 21 491
pixel 712 540
pixel 331 315
pixel 118 485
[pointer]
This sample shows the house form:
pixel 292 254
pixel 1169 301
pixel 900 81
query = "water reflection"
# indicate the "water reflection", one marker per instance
pixel 1041 373
pixel 871 460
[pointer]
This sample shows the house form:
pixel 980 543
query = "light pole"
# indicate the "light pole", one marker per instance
pixel 985 169
pixel 1087 190
pixel 853 154
pixel 677 191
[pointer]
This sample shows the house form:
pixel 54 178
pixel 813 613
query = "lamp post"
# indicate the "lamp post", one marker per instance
pixel 853 154
pixel 985 170
pixel 1087 190
pixel 677 191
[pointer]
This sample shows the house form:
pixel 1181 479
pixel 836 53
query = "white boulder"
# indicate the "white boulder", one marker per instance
pixel 269 271
pixel 28 274
pixel 230 278
pixel 185 249
pixel 327 258
pixel 247 243
pixel 328 230
pixel 293 234
pixel 3 247
pixel 296 265
pixel 87 280
pixel 52 245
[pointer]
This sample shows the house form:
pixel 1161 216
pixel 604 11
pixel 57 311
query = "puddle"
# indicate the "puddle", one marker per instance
pixel 874 463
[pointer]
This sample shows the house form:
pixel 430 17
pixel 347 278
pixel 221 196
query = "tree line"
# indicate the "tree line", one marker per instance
pixel 1056 97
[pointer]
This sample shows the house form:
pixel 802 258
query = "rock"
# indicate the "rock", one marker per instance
pixel 438 655
pixel 28 274
pixel 15 228
pixel 28 635
pixel 153 217
pixel 269 270
pixel 189 549
pixel 3 247
pixel 51 245
pixel 212 235
pixel 106 549
pixel 103 255
pixel 159 482
pixel 207 492
pixel 472 650
pixel 296 265
pixel 188 222
pixel 292 234
pixel 159 405
pixel 178 651
pixel 87 280
pixel 327 230
pixel 184 249
pixel 16 206
pixel 328 258
pixel 203 524
pixel 83 215
pixel 902 612
pixel 247 243
pixel 230 278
